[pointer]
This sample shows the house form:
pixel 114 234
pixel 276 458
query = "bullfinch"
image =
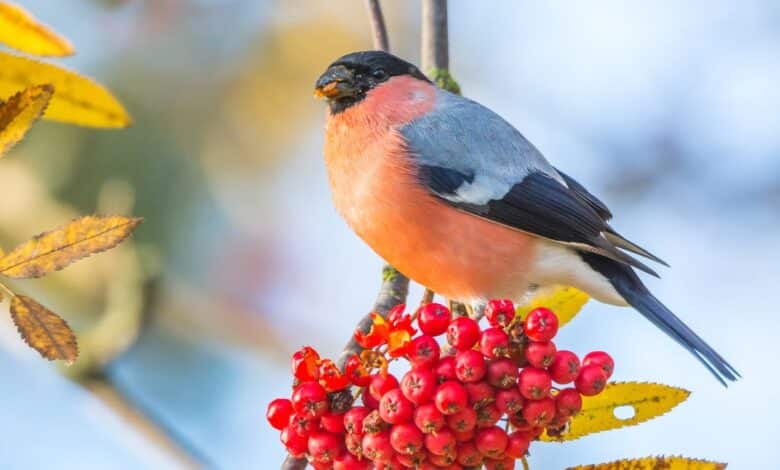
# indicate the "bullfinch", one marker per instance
pixel 455 198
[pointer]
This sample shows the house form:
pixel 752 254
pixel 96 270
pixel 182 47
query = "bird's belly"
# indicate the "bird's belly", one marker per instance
pixel 458 255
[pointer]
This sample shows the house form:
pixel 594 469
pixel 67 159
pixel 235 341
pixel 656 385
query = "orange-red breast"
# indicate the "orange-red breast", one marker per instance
pixel 458 200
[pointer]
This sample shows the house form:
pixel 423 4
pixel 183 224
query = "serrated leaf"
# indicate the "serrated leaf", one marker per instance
pixel 44 330
pixel 655 463
pixel 21 31
pixel 77 100
pixel 19 113
pixel 565 301
pixel 54 250
pixel 648 400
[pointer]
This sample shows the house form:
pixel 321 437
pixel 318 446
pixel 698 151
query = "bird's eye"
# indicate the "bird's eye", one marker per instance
pixel 379 74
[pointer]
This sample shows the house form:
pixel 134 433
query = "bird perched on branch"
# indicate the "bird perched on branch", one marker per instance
pixel 458 200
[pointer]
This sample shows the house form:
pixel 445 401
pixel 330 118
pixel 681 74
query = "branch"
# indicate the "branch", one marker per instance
pixel 378 28
pixel 435 53
pixel 435 41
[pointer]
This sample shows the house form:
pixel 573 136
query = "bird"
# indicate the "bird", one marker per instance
pixel 458 200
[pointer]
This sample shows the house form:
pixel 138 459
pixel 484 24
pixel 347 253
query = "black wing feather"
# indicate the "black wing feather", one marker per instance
pixel 539 205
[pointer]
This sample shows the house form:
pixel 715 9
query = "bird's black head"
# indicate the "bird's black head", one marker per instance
pixel 349 78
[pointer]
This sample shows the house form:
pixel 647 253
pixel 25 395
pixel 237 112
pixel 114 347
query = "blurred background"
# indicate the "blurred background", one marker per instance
pixel 667 110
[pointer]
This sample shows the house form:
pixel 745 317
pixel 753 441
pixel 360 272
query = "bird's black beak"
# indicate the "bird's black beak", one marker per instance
pixel 337 82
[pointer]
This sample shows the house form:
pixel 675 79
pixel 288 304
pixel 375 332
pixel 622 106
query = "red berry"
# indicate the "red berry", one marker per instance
pixel 509 401
pixel 445 369
pixel 450 397
pixel 373 423
pixel 500 312
pixel 494 343
pixel 487 416
pixel 368 400
pixel 470 366
pixel 591 380
pixel 491 442
pixel 463 333
pixel 568 402
pixel 310 399
pixel 333 423
pixel 601 359
pixel 394 408
pixel 279 412
pixel 381 384
pixel 295 443
pixel 534 383
pixel 433 319
pixel 440 443
pixel 539 412
pixel 468 455
pixel 354 445
pixel 353 419
pixel 541 324
pixel 377 446
pixel 565 367
pixel 392 464
pixel 518 422
pixel 303 424
pixel 348 461
pixel 428 418
pixel 517 445
pixel 324 447
pixel 506 463
pixel 304 364
pixel 442 461
pixel 540 354
pixel 465 436
pixel 502 373
pixel 413 461
pixel 480 393
pixel 463 421
pixel 406 438
pixel 418 386
pixel 423 352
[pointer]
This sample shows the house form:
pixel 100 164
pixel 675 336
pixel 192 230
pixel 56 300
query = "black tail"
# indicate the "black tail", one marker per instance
pixel 628 285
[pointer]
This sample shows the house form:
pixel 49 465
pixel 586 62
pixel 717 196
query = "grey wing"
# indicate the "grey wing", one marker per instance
pixel 477 162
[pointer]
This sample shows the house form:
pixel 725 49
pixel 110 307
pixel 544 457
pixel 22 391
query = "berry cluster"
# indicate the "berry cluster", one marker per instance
pixel 477 399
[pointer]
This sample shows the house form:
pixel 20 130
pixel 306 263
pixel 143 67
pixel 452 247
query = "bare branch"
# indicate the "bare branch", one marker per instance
pixel 435 41
pixel 436 46
pixel 291 463
pixel 427 297
pixel 378 28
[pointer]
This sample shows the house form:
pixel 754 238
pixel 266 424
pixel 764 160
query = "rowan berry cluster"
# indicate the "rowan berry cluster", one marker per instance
pixel 476 399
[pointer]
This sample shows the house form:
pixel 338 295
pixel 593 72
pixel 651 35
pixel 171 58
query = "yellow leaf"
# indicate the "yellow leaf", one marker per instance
pixel 646 400
pixel 54 250
pixel 566 302
pixel 43 330
pixel 21 31
pixel 78 100
pixel 19 113
pixel 655 463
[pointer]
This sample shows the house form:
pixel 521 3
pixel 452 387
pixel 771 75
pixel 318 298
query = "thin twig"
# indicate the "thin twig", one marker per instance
pixel 435 41
pixel 378 28
pixel 427 297
pixel 435 51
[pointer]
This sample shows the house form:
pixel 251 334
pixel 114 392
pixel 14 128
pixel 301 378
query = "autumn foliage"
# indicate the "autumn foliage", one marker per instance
pixel 34 90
